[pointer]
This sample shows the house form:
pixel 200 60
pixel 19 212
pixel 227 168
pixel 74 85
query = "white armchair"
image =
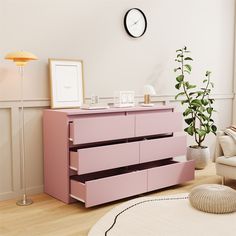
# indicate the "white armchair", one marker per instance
pixel 225 166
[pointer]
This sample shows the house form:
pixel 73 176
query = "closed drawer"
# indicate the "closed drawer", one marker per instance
pixel 95 129
pixel 98 191
pixel 105 157
pixel 157 149
pixel 171 174
pixel 158 123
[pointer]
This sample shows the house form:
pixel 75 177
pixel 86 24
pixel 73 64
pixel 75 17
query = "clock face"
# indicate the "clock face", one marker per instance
pixel 135 22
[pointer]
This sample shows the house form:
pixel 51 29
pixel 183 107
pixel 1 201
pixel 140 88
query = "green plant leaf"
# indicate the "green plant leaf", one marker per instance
pixel 188 59
pixel 180 78
pixel 196 102
pixel 208 129
pixel 212 85
pixel 205 80
pixel 213 128
pixel 192 93
pixel 205 102
pixel 176 69
pixel 180 55
pixel 178 86
pixel 187 72
pixel 189 130
pixel 208 73
pixel 209 110
pixel 199 93
pixel 187 112
pixel 179 50
pixel 191 86
pixel 189 120
pixel 188 67
pixel 202 109
pixel 202 116
pixel 179 94
pixel 201 132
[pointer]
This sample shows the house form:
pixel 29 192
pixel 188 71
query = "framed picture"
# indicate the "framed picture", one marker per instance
pixel 67 86
pixel 124 99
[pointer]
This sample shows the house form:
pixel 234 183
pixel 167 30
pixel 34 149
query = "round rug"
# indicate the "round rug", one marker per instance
pixel 163 216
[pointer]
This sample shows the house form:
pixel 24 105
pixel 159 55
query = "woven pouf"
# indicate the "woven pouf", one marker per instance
pixel 213 198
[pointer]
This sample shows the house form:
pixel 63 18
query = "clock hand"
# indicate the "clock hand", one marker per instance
pixel 137 21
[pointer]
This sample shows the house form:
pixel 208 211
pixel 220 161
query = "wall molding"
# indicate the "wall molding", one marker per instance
pixel 45 102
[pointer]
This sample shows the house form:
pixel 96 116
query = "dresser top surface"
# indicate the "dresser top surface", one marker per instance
pixel 78 111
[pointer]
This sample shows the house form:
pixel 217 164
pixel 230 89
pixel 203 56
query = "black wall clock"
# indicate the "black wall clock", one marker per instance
pixel 135 22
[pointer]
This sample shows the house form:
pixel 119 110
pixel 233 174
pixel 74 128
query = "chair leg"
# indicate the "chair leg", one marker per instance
pixel 223 180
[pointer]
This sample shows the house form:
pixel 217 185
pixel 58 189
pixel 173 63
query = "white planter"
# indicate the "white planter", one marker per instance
pixel 200 155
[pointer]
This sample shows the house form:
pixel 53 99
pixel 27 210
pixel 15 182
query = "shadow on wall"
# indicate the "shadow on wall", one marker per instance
pixel 156 78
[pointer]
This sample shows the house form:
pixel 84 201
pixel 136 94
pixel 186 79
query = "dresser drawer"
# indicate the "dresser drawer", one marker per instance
pixel 158 123
pixel 157 149
pixel 171 174
pixel 94 159
pixel 95 129
pixel 97 191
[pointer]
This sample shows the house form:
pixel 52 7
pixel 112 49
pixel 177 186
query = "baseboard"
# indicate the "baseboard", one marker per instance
pixel 29 191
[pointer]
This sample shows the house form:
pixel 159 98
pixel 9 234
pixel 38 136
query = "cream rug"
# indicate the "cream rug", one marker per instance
pixel 163 216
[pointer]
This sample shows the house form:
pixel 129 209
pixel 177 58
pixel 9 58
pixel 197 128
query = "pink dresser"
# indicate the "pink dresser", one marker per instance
pixel 98 156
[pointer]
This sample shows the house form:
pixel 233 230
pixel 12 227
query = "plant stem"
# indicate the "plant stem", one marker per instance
pixel 187 95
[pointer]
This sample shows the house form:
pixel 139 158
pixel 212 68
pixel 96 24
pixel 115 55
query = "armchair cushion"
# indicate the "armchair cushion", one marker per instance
pixel 228 145
pixel 231 133
pixel 229 161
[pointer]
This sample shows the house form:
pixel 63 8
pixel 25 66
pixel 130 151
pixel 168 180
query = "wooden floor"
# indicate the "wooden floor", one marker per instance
pixel 47 216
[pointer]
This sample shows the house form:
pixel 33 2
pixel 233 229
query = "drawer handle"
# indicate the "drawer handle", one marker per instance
pixel 71 139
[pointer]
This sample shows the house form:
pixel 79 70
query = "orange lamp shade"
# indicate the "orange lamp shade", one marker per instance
pixel 21 57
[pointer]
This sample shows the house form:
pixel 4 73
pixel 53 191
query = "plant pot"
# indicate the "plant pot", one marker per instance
pixel 200 155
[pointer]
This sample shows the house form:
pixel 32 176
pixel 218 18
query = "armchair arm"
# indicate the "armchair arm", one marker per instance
pixel 218 149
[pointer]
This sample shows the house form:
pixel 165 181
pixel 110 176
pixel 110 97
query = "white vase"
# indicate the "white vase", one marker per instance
pixel 200 155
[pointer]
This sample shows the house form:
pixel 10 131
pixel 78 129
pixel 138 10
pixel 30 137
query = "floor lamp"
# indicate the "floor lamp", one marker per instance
pixel 21 58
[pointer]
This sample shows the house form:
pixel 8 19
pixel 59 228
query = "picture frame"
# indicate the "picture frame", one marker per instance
pixel 66 82
pixel 124 99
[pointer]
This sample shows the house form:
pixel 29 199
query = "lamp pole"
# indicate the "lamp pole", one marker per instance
pixel 24 201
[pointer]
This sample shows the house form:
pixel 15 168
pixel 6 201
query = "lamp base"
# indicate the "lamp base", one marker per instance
pixel 147 104
pixel 24 202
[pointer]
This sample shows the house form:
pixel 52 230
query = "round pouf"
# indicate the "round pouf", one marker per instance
pixel 213 198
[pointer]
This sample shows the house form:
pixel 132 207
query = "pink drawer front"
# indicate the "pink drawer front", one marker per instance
pixel 157 149
pixel 158 123
pixel 167 175
pixel 98 191
pixel 95 129
pixel 105 157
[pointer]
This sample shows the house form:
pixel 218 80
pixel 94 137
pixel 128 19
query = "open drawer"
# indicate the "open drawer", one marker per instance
pixel 95 189
pixel 161 148
pixel 95 159
pixel 110 185
pixel 167 175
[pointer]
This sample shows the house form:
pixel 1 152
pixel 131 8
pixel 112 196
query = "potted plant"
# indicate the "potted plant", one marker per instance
pixel 198 108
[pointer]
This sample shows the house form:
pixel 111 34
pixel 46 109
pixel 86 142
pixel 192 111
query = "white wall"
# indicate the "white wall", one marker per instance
pixel 93 31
